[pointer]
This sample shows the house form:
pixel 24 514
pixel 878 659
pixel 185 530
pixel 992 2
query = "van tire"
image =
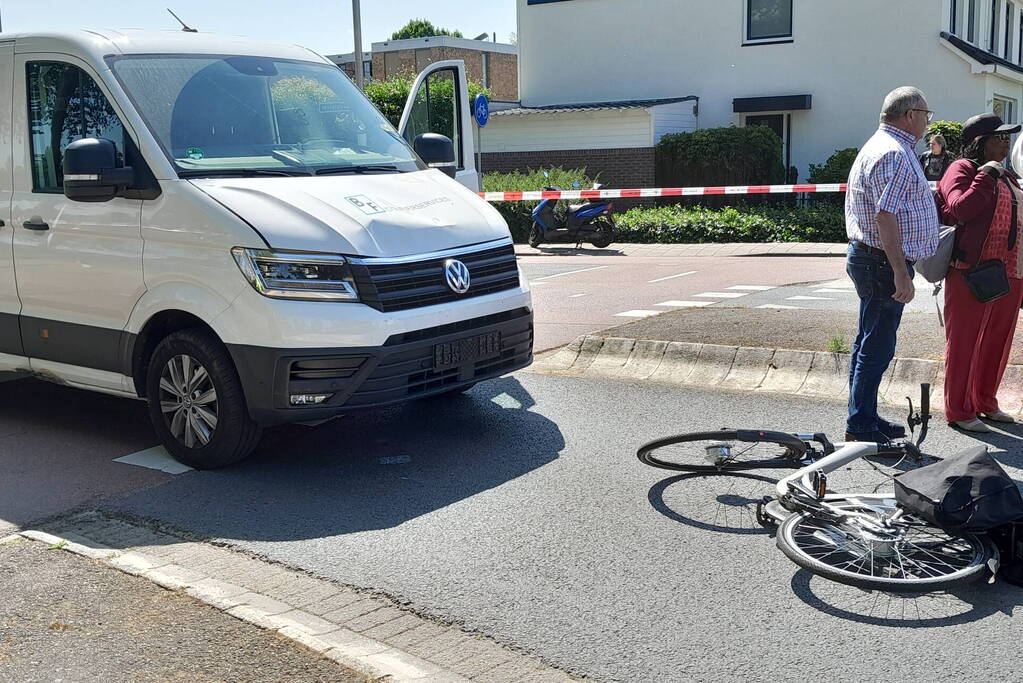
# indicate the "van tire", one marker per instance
pixel 235 434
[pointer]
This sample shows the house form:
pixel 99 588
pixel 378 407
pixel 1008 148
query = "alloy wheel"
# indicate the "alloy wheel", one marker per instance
pixel 188 401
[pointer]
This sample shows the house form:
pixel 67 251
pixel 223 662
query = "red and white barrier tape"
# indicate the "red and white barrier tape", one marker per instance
pixel 662 192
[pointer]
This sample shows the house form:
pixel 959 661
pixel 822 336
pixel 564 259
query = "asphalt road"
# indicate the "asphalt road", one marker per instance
pixel 521 512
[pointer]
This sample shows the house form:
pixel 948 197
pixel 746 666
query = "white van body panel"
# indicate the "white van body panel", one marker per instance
pixel 11 363
pixel 366 215
pixel 10 304
pixel 85 378
pixel 252 321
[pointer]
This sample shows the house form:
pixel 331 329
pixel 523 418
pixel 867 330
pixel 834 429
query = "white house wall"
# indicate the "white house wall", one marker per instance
pixel 673 118
pixel 846 55
pixel 568 130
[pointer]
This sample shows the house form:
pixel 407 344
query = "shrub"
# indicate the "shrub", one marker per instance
pixel 518 214
pixel 836 168
pixel 720 156
pixel 952 131
pixel 390 96
pixel 742 223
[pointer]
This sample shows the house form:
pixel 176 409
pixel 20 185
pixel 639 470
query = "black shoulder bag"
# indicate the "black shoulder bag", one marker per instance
pixel 988 280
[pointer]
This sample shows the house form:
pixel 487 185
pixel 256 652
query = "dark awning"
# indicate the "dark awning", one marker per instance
pixel 747 105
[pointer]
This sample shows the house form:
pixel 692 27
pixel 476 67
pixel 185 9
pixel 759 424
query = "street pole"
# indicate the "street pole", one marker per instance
pixel 357 26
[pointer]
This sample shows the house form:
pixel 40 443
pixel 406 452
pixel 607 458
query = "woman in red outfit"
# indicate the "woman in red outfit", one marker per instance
pixel 981 196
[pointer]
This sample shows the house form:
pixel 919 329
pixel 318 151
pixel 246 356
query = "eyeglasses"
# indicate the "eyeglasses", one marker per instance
pixel 930 114
pixel 1004 137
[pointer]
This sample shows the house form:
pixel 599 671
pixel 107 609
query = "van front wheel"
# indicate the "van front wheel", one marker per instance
pixel 196 402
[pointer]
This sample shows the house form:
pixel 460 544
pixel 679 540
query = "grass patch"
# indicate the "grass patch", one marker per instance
pixel 837 345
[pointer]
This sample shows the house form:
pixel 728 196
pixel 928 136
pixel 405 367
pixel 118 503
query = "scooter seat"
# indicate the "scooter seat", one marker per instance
pixel 572 208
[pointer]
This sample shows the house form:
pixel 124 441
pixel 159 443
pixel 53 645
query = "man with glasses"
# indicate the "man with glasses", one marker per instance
pixel 892 221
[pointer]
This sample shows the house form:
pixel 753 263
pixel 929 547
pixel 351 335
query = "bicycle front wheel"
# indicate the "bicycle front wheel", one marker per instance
pixel 910 557
pixel 724 451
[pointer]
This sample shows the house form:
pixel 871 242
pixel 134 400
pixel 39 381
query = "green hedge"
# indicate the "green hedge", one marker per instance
pixel 836 168
pixel 518 214
pixel 720 156
pixel 697 224
pixel 952 131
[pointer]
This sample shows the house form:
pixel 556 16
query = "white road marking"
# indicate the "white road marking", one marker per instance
pixel 684 304
pixel 576 296
pixel 809 298
pixel 753 288
pixel 672 277
pixel 506 401
pixel 571 272
pixel 638 314
pixel 790 308
pixel 155 458
pixel 722 295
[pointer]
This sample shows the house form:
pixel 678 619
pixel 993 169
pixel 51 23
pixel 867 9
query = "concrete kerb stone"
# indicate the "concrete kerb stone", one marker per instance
pixel 645 359
pixel 828 375
pixel 713 365
pixel 787 371
pixel 906 377
pixel 1010 394
pixel 589 349
pixel 613 355
pixel 749 368
pixel 563 359
pixel 677 363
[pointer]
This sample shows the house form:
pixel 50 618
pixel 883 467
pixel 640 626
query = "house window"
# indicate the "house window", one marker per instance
pixel 972 8
pixel 1010 20
pixel 367 70
pixel 486 70
pixel 1019 43
pixel 768 20
pixel 1005 109
pixel 992 45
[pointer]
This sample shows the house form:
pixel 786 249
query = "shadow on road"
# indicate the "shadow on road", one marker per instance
pixel 366 471
pixel 924 610
pixel 724 503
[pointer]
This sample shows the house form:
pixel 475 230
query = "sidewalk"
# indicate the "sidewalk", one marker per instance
pixel 661 250
pixel 66 617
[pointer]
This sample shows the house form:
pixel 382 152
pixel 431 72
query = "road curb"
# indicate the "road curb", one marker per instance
pixel 363 632
pixel 813 374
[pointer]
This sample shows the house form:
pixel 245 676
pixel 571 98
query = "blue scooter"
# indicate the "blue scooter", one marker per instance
pixel 587 222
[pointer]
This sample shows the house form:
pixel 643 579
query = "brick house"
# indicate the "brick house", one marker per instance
pixel 495 65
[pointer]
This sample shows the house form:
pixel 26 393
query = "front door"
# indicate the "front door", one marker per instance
pixel 10 305
pixel 79 264
pixel 780 124
pixel 439 103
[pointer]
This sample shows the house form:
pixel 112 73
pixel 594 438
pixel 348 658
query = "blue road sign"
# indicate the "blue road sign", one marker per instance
pixel 481 110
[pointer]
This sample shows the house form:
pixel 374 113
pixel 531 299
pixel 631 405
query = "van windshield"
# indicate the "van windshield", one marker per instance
pixel 224 114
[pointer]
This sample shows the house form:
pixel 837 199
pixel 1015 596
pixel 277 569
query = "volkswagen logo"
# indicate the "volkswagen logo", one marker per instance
pixel 457 275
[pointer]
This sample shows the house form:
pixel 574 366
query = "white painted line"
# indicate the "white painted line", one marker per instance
pixel 672 277
pixel 506 401
pixel 571 272
pixel 753 288
pixel 684 304
pixel 576 296
pixel 789 308
pixel 638 314
pixel 851 290
pixel 809 298
pixel 155 458
pixel 722 295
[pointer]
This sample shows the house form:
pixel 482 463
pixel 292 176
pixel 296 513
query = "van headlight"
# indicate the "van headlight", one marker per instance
pixel 297 275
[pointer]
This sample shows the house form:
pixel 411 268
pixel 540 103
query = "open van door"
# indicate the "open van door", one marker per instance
pixel 439 103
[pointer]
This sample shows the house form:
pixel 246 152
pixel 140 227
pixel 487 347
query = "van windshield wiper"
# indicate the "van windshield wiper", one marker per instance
pixel 239 173
pixel 363 168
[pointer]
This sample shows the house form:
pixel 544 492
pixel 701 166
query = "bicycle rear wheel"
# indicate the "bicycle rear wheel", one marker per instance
pixel 724 451
pixel 913 558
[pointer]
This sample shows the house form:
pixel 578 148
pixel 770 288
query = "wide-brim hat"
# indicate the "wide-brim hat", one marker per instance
pixel 986 124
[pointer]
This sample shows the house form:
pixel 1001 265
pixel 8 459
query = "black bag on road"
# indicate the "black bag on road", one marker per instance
pixel 969 492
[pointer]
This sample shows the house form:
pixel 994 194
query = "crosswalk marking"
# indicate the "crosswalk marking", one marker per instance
pixel 639 313
pixel 671 277
pixel 684 304
pixel 722 295
pixel 809 298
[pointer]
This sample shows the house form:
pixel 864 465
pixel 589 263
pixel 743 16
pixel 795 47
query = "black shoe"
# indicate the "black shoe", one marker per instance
pixel 890 429
pixel 878 437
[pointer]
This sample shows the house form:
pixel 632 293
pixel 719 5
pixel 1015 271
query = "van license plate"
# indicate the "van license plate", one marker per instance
pixel 466 350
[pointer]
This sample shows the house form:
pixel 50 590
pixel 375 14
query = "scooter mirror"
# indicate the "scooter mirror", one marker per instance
pixel 576 185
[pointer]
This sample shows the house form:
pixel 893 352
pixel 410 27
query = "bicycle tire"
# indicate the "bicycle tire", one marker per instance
pixel 975 569
pixel 790 450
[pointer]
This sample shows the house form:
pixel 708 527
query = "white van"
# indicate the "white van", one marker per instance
pixel 232 232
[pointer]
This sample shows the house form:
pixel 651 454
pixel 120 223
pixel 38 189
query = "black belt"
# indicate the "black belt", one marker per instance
pixel 874 251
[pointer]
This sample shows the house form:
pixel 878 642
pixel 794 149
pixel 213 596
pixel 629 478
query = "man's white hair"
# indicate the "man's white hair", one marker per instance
pixel 899 101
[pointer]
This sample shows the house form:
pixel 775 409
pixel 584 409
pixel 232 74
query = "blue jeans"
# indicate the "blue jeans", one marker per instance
pixel 874 348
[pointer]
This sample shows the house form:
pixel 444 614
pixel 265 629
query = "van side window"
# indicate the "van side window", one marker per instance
pixel 64 105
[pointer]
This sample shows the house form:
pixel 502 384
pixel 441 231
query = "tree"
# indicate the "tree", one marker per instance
pixel 421 28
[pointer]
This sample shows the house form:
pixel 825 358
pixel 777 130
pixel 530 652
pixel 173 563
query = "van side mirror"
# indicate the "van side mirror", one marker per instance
pixel 437 151
pixel 91 173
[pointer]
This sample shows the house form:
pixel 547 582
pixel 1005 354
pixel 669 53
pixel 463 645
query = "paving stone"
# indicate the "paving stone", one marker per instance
pixel 394 627
pixel 403 666
pixel 431 646
pixel 319 594
pixel 424 631
pixel 332 603
pixel 484 655
pixel 209 590
pixel 263 603
pixel 374 618
pixel 356 609
pixel 310 641
pixel 174 576
pixel 353 644
pixel 136 563
pixel 309 623
pixel 511 671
